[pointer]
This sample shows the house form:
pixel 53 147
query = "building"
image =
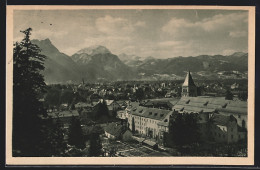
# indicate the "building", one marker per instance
pixel 112 105
pixel 163 103
pixel 226 116
pixel 206 106
pixel 83 105
pixel 224 129
pixel 150 122
pixel 122 104
pixel 189 89
pixel 238 109
pixel 114 130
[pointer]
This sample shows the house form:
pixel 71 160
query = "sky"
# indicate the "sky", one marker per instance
pixel 161 33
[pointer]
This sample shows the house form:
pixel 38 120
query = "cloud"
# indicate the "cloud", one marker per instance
pixel 70 51
pixel 115 26
pixel 175 25
pixel 169 43
pixel 140 33
pixel 45 33
pixel 140 24
pixel 218 24
pixel 229 51
pixel 238 34
pixel 221 21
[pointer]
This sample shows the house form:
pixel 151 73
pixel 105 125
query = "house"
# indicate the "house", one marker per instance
pixel 122 114
pixel 114 130
pixel 224 129
pixel 83 105
pixel 238 109
pixel 122 104
pixel 112 105
pixel 234 86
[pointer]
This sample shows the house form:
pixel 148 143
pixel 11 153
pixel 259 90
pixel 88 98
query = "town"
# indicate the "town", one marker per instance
pixel 144 119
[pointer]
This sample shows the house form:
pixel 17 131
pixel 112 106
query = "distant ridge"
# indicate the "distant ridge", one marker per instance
pixel 97 63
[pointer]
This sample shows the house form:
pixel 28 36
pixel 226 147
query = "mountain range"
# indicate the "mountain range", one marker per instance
pixel 97 63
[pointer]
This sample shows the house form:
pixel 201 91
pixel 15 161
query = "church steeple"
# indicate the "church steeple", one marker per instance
pixel 188 80
pixel 189 88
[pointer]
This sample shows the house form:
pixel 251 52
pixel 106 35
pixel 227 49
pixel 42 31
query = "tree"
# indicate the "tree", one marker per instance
pixel 139 94
pixel 95 145
pixel 102 112
pixel 52 98
pixel 67 96
pixel 133 125
pixel 54 134
pixel 242 96
pixel 75 136
pixel 28 84
pixel 184 129
pixel 229 95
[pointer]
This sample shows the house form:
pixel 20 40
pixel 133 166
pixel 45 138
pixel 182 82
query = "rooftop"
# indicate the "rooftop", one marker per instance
pixel 210 104
pixel 222 119
pixel 188 80
pixel 66 113
pixel 114 129
pixel 152 113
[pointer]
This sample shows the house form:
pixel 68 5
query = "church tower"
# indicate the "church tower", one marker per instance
pixel 189 89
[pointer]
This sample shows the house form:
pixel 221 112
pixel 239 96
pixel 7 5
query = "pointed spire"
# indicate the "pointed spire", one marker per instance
pixel 188 80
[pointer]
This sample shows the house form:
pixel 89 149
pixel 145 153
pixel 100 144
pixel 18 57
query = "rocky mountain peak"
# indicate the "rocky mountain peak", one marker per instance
pixel 93 50
pixel 46 46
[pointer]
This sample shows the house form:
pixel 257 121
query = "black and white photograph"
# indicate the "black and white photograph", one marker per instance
pixel 159 85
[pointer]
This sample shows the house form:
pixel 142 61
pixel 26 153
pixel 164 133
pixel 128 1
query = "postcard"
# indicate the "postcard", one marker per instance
pixel 130 85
